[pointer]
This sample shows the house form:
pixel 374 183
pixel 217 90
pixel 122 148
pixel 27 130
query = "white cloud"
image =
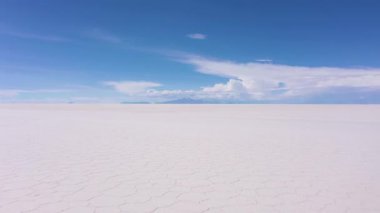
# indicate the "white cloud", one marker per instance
pixel 102 36
pixel 197 36
pixel 272 81
pixel 27 35
pixel 259 82
pixel 7 93
pixel 132 87
pixel 264 60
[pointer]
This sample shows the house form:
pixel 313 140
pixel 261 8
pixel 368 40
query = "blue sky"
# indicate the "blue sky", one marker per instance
pixel 273 51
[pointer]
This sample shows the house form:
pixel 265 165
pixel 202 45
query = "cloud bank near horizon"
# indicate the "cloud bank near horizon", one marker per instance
pixel 275 81
pixel 254 81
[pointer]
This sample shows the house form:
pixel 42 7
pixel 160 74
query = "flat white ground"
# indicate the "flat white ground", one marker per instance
pixel 189 158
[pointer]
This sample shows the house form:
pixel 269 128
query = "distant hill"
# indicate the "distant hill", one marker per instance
pixel 137 102
pixel 185 101
pixel 201 101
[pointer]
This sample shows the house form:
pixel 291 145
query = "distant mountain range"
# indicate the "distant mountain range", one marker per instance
pixel 178 101
pixel 186 101
pixel 135 102
pixel 345 96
